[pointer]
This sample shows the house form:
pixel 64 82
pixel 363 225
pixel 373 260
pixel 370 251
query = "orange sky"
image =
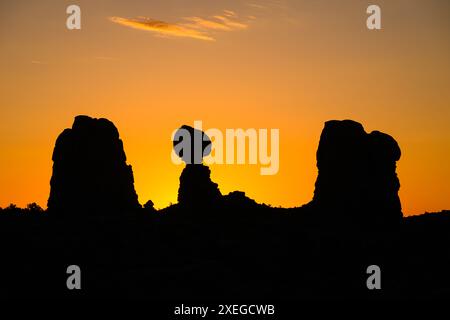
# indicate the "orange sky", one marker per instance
pixel 151 66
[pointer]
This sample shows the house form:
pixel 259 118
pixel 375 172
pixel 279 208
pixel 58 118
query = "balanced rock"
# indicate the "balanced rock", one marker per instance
pixel 196 188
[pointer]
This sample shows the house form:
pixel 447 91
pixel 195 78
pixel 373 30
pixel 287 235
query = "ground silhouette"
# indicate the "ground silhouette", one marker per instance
pixel 214 247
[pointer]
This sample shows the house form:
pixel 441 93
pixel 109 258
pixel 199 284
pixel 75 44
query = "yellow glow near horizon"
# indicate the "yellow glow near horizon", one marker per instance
pixel 294 65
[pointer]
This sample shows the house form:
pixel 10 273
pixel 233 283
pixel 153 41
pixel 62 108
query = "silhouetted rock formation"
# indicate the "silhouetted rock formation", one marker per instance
pixel 90 170
pixel 196 188
pixel 216 248
pixel 357 182
pixel 185 141
pixel 238 198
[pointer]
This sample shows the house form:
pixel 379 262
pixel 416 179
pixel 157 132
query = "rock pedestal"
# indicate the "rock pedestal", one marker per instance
pixel 196 188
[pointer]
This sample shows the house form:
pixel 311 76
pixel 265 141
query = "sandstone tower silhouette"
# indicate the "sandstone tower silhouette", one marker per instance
pixel 357 180
pixel 90 172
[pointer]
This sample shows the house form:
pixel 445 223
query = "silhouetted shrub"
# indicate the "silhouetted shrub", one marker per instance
pixel 149 206
pixel 34 208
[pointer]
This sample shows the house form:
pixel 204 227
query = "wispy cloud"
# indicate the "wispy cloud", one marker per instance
pixel 229 13
pixel 268 4
pixel 257 5
pixel 200 23
pixel 192 27
pixel 233 24
pixel 161 27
